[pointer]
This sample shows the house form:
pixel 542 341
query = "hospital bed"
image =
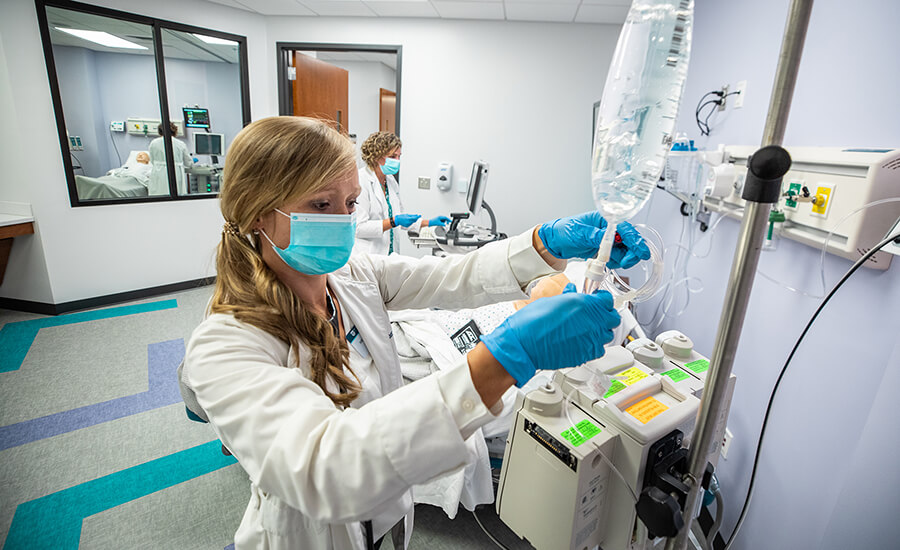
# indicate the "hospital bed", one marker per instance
pixel 432 340
pixel 129 180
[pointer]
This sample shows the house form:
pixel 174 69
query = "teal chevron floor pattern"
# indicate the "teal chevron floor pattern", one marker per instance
pixel 95 448
pixel 96 451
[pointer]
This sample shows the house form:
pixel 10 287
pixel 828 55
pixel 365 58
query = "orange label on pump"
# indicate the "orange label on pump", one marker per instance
pixel 646 409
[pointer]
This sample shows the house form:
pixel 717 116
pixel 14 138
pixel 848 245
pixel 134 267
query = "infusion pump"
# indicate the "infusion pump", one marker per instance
pixel 557 488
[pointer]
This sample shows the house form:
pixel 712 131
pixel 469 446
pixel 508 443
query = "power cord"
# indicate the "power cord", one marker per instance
pixel 488 533
pixel 762 432
pixel 704 125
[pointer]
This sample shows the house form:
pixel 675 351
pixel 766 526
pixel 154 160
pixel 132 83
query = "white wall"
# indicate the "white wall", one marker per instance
pixel 519 95
pixel 85 252
pixel 827 469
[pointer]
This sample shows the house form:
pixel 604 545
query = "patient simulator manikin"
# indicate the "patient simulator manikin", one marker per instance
pixel 140 169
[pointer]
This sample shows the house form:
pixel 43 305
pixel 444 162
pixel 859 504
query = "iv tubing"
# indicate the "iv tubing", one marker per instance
pixel 602 454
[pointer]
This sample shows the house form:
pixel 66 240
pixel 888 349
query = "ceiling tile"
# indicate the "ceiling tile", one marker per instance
pixel 235 4
pixel 624 3
pixel 593 13
pixel 276 7
pixel 550 2
pixel 469 10
pixel 402 8
pixel 525 11
pixel 347 8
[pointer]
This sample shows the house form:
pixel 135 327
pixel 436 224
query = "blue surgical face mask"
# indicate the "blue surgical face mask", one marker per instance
pixel 391 166
pixel 320 243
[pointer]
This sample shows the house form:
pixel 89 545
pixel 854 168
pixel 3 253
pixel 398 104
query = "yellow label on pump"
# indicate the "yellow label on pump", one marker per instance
pixel 647 409
pixel 631 376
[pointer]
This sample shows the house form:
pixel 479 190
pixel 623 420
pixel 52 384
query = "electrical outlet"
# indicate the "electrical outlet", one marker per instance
pixel 726 443
pixel 75 143
pixel 117 126
pixel 741 90
pixel 724 99
pixel 424 182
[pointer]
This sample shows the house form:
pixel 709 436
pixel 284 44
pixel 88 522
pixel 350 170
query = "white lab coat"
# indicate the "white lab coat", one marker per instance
pixel 372 209
pixel 317 471
pixel 159 175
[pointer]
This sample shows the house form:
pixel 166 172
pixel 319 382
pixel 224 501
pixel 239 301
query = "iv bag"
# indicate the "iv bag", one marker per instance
pixel 640 103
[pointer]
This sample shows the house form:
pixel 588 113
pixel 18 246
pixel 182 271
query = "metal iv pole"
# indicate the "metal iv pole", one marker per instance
pixel 763 187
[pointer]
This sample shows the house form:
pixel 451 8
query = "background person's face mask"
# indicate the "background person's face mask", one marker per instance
pixel 391 166
pixel 320 243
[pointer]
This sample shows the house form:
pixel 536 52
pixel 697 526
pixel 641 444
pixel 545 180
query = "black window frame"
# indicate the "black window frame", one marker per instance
pixel 157 26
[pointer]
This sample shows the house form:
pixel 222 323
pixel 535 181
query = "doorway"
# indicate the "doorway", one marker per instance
pixel 354 86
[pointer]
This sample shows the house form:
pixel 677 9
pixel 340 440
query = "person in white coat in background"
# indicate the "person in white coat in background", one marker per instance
pixel 159 174
pixel 295 367
pixel 380 210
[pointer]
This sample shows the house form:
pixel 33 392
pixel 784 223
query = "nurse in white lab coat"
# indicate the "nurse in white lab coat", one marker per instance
pixel 380 214
pixel 295 365
pixel 159 175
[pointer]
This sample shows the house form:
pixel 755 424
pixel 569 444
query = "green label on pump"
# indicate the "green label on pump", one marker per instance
pixel 585 430
pixel 677 375
pixel 698 366
pixel 614 388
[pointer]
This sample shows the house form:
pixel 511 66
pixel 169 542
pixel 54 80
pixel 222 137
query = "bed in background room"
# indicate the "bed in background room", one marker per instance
pixel 129 180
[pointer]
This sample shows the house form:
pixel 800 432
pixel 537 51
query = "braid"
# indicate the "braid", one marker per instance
pixel 377 146
pixel 270 305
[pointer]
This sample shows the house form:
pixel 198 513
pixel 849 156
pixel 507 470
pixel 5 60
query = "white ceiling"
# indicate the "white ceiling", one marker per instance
pixel 564 11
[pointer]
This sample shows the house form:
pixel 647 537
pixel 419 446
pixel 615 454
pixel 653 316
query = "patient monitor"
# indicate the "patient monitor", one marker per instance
pixel 585 447
pixel 209 144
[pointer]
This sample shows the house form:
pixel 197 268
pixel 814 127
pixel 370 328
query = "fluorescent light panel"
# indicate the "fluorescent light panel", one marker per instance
pixel 214 40
pixel 102 38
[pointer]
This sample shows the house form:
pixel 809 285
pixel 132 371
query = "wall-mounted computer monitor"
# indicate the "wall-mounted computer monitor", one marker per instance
pixel 209 144
pixel 477 183
pixel 195 117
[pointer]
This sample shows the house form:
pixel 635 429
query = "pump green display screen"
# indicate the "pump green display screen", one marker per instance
pixel 586 430
pixel 698 366
pixel 677 375
pixel 614 388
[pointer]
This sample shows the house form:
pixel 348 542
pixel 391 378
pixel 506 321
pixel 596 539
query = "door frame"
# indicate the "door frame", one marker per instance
pixel 283 49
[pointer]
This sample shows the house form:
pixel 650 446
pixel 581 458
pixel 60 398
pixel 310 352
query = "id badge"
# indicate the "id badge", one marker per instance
pixel 355 340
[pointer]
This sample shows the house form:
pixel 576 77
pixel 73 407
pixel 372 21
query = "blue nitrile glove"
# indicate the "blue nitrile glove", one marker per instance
pixel 579 237
pixel 554 332
pixel 438 220
pixel 405 220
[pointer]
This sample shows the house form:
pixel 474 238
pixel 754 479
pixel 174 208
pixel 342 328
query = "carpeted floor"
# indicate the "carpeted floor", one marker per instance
pixel 96 450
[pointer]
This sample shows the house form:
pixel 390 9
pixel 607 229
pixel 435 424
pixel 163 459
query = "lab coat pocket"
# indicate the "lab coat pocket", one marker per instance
pixel 279 519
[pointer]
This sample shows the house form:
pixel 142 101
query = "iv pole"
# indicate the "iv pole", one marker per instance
pixel 756 214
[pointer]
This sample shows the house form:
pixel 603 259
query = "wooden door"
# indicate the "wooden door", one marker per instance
pixel 387 111
pixel 321 91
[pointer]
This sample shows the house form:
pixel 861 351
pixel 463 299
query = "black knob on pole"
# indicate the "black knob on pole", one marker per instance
pixel 660 512
pixel 765 170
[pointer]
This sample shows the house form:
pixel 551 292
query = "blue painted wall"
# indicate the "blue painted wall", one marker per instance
pixel 827 468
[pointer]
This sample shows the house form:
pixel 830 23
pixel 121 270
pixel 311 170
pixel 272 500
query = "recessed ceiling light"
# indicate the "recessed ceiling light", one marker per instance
pixel 102 38
pixel 214 40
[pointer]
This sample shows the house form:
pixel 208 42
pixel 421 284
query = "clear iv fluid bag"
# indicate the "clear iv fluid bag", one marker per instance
pixel 640 102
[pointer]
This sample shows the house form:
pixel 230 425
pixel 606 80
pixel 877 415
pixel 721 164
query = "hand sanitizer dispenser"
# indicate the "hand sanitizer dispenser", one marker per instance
pixel 445 176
